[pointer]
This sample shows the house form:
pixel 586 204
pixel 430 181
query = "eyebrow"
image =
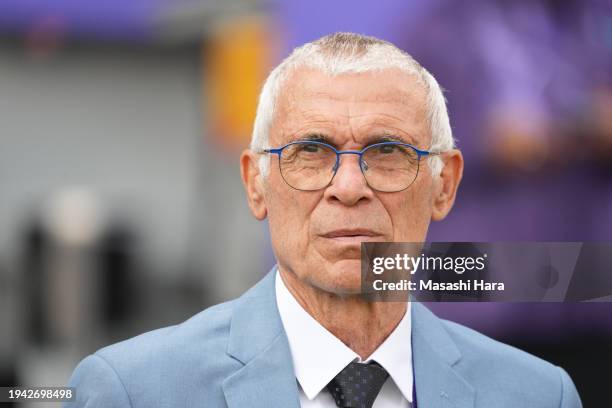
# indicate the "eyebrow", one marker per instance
pixel 316 137
pixel 389 137
pixel 369 140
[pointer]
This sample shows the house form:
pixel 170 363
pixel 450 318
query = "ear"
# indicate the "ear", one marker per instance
pixel 446 184
pixel 253 183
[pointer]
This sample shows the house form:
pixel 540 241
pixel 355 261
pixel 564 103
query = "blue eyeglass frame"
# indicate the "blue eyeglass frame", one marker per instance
pixel 420 153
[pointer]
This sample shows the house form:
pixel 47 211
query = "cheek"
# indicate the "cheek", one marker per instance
pixel 289 214
pixel 411 215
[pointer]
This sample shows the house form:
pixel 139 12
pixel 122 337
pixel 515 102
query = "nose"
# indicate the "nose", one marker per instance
pixel 348 186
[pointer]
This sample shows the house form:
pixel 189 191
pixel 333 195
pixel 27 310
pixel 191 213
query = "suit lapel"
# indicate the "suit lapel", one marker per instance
pixel 267 378
pixel 438 385
pixel 258 341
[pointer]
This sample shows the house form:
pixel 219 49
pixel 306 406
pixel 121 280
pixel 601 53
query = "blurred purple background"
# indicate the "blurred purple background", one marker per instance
pixel 121 207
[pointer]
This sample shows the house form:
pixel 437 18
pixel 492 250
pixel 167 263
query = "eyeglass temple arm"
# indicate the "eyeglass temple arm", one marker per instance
pixel 274 151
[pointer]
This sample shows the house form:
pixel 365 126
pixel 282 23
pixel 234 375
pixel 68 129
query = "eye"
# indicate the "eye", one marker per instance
pixel 388 149
pixel 311 148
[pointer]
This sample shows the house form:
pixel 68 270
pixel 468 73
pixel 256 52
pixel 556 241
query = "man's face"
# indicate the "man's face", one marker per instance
pixel 317 234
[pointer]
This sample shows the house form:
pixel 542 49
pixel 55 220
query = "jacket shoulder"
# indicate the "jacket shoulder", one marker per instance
pixel 147 370
pixel 208 329
pixel 503 372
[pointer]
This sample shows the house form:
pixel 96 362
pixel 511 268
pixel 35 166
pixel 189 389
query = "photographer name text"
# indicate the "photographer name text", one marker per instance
pixel 430 285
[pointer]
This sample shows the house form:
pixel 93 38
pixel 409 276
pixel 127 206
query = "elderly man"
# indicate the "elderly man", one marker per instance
pixel 351 144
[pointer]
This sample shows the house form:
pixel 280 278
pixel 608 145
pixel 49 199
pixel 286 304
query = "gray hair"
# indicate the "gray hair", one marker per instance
pixel 343 53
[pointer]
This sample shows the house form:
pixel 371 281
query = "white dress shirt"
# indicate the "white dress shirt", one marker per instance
pixel 318 356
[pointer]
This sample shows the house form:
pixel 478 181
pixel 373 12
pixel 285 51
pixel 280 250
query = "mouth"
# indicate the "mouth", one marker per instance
pixel 352 235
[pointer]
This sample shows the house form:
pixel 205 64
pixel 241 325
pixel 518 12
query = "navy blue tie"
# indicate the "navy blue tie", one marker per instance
pixel 357 385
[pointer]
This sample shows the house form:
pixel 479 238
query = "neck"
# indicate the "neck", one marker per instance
pixel 361 325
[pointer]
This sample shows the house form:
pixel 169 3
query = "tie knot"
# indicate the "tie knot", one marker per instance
pixel 357 385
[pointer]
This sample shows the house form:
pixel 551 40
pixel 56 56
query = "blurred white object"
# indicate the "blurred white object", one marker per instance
pixel 74 217
pixel 71 278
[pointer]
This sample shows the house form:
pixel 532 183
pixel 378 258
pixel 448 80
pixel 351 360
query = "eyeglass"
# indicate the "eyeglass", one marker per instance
pixel 311 165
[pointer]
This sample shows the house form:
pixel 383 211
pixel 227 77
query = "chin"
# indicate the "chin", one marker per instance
pixel 344 277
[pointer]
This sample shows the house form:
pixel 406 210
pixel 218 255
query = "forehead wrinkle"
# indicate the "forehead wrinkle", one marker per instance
pixel 335 127
pixel 297 90
pixel 393 96
pixel 291 111
pixel 411 85
pixel 301 92
pixel 383 124
pixel 314 116
pixel 403 125
pixel 316 123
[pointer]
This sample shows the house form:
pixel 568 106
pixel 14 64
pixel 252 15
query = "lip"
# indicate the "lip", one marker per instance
pixel 352 235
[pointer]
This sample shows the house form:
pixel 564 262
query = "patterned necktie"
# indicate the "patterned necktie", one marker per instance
pixel 357 385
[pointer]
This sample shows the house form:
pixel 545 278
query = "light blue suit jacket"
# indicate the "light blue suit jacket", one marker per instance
pixel 236 355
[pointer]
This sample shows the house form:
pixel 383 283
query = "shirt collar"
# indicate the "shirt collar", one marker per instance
pixel 318 356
